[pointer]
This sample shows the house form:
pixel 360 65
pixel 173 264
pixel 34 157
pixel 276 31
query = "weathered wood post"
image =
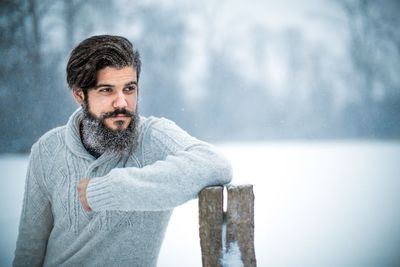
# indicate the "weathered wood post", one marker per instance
pixel 238 227
pixel 211 217
pixel 240 222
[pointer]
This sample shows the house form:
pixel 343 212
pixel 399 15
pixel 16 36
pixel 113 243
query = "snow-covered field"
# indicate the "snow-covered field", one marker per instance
pixel 317 204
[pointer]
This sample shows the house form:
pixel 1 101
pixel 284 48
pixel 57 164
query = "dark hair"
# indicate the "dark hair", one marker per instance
pixel 96 53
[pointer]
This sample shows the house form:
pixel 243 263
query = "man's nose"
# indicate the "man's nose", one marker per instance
pixel 120 101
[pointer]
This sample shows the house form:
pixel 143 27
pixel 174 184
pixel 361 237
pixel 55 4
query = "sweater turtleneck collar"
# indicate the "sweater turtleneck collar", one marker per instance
pixel 72 135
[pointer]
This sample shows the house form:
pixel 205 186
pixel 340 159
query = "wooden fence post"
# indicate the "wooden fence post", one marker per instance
pixel 240 222
pixel 239 225
pixel 211 217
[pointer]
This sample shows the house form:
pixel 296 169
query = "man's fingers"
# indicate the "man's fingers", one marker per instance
pixel 84 203
pixel 82 186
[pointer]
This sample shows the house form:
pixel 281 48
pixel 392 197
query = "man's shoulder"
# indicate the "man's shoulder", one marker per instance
pixel 165 132
pixel 52 138
pixel 157 127
pixel 155 122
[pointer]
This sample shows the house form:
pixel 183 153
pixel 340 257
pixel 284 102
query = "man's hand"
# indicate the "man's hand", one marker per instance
pixel 82 186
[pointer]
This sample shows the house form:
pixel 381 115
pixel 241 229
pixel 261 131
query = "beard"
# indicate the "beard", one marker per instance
pixel 97 138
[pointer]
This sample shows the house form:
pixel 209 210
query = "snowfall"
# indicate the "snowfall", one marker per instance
pixel 316 204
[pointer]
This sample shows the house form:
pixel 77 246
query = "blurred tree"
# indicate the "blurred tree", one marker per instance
pixel 71 8
pixel 374 51
pixel 21 49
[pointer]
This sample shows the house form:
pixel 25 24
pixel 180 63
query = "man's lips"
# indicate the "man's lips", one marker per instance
pixel 119 116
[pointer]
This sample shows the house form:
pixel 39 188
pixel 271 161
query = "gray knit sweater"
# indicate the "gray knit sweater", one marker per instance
pixel 132 197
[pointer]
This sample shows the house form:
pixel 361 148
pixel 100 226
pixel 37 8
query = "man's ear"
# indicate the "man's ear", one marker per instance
pixel 79 96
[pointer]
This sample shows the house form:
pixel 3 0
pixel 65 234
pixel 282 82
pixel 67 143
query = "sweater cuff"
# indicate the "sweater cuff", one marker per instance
pixel 99 194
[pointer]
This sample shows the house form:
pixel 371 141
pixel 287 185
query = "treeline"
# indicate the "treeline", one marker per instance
pixel 323 95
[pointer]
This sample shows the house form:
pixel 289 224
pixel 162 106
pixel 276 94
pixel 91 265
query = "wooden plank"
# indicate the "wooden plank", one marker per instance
pixel 240 222
pixel 211 220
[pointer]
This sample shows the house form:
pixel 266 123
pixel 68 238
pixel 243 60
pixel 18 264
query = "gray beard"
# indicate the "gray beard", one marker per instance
pixel 98 138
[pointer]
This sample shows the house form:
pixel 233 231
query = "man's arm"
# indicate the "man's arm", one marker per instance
pixel 189 166
pixel 36 219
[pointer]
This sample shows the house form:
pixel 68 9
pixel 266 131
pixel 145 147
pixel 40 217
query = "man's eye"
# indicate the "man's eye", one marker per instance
pixel 105 90
pixel 130 89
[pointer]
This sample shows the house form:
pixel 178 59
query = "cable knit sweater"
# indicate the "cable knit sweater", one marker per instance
pixel 132 197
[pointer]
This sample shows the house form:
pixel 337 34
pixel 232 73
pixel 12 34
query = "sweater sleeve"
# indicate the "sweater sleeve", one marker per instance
pixel 188 165
pixel 36 219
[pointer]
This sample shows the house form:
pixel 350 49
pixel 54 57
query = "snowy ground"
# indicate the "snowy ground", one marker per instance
pixel 317 204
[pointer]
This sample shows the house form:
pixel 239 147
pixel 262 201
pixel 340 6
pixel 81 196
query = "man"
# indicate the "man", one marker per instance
pixel 101 189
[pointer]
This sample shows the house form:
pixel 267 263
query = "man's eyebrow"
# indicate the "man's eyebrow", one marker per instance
pixel 131 83
pixel 103 85
pixel 110 85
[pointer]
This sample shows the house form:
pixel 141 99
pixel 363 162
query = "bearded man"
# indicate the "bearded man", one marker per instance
pixel 101 189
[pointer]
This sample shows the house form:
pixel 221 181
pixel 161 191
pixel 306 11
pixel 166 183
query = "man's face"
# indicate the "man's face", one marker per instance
pixel 116 89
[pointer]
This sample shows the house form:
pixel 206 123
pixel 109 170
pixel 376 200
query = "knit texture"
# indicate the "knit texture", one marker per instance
pixel 132 197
